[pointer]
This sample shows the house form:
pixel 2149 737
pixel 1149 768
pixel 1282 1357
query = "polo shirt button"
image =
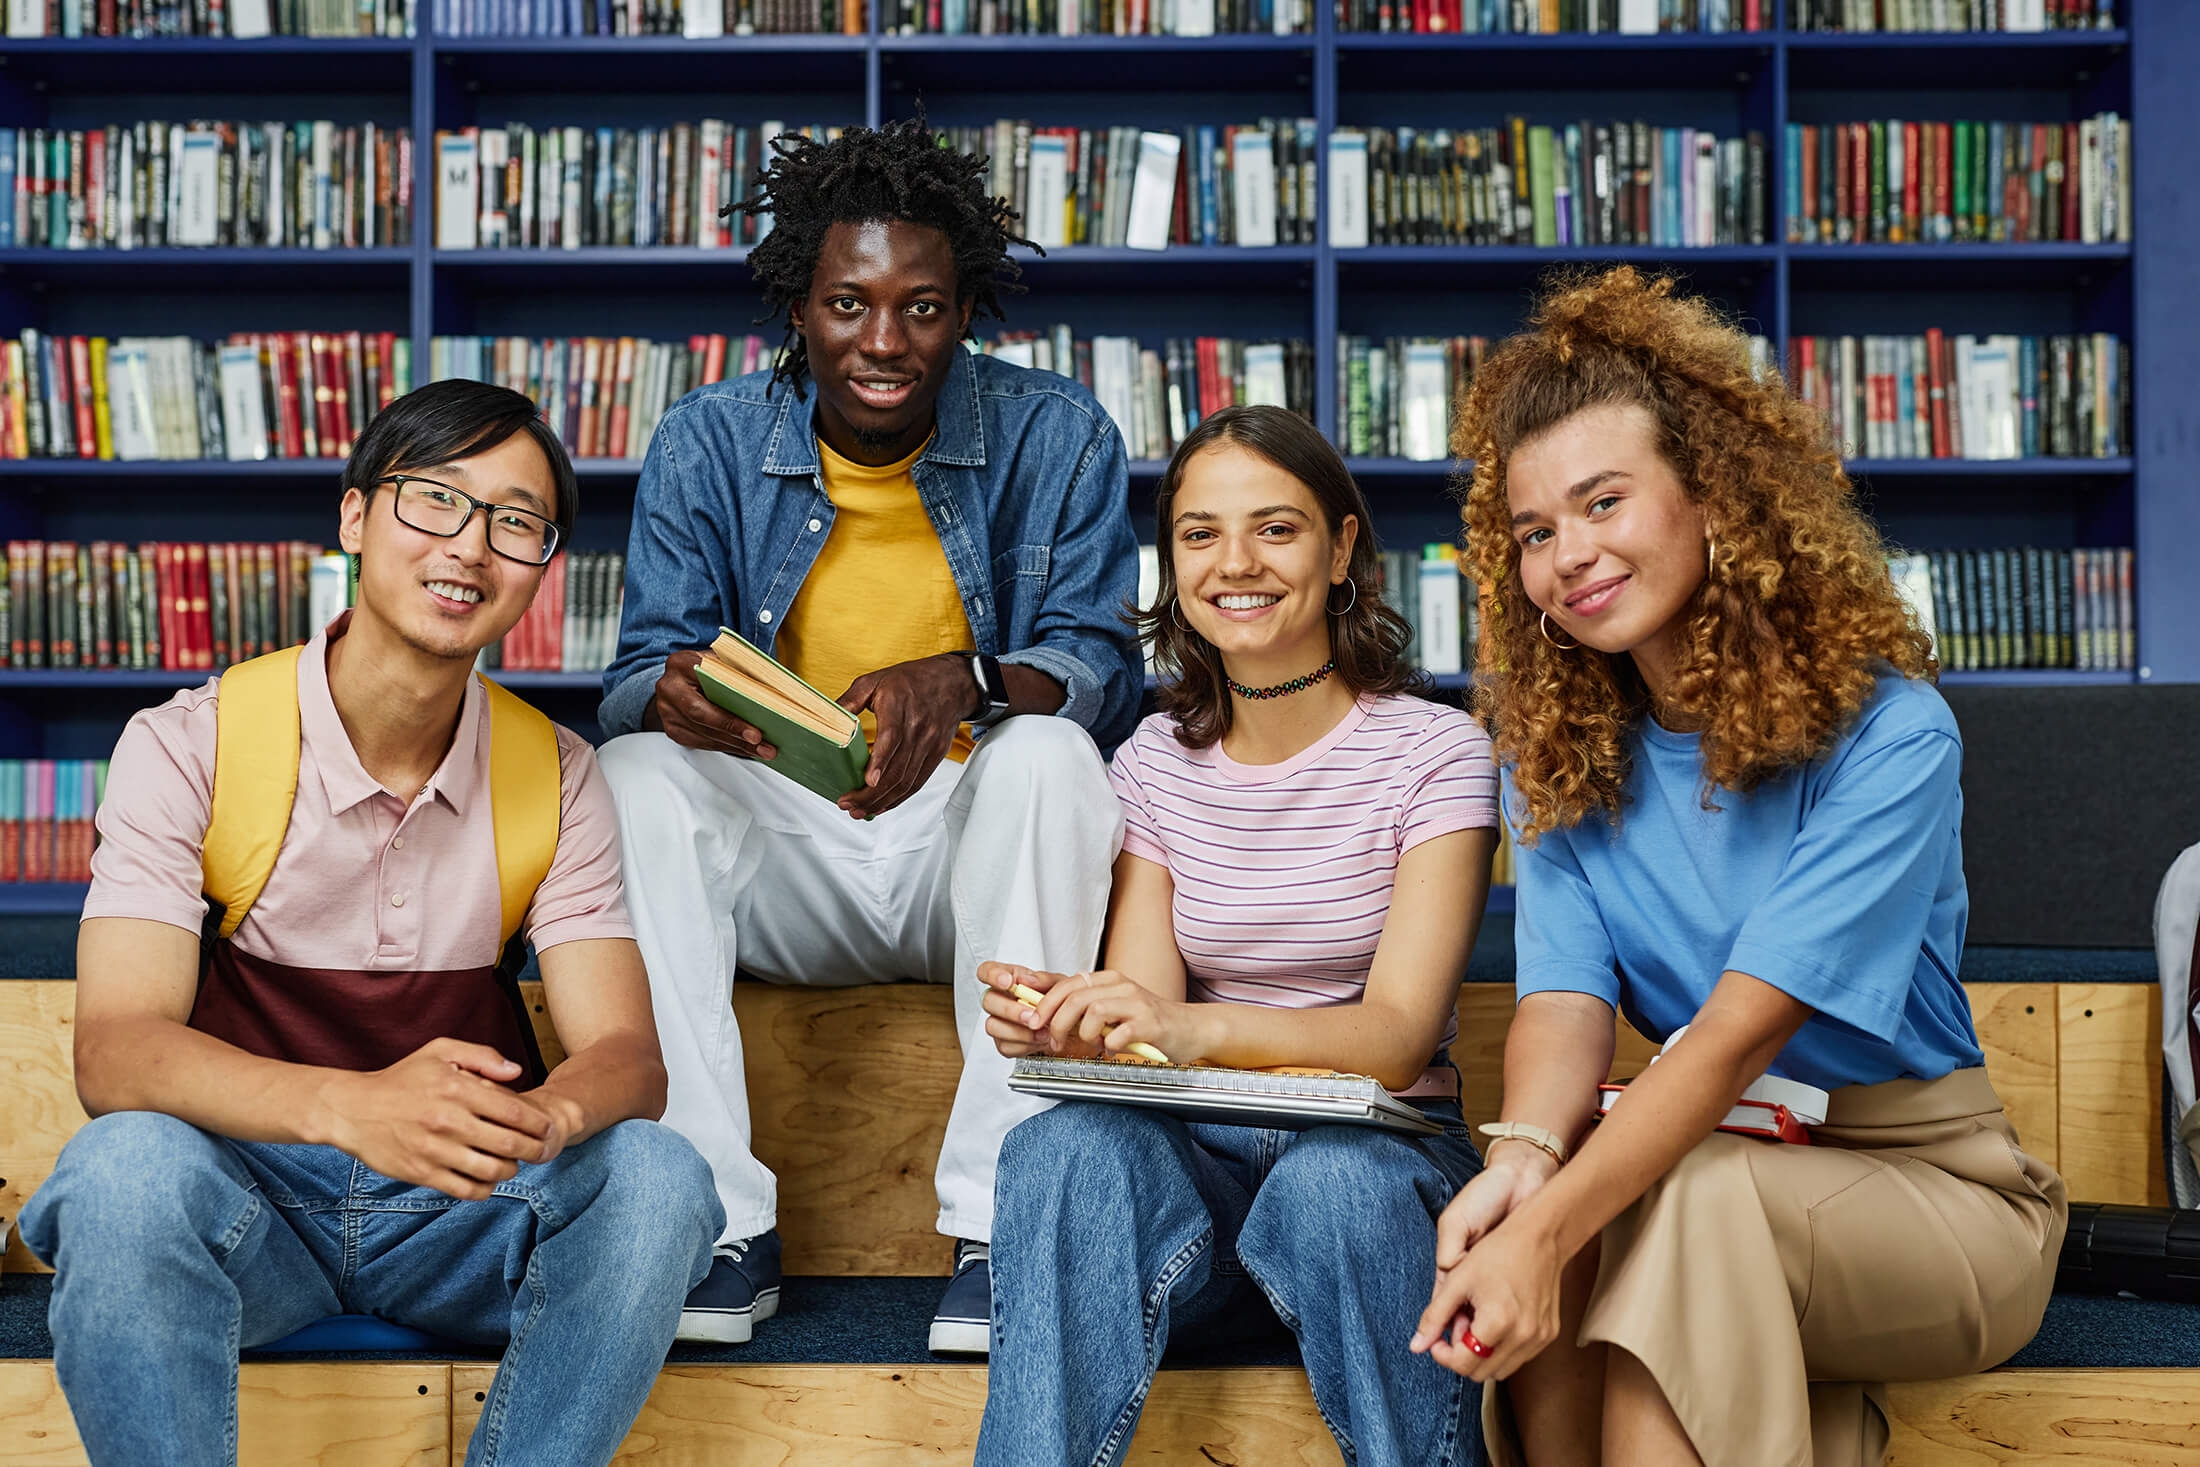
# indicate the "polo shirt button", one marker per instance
pixel 816 525
pixel 397 843
pixel 398 900
pixel 764 617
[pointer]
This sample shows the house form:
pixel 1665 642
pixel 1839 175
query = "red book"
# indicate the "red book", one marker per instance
pixel 200 637
pixel 1912 221
pixel 1937 390
pixel 289 426
pixel 386 391
pixel 172 654
pixel 620 395
pixel 1944 163
pixel 1860 177
pixel 327 426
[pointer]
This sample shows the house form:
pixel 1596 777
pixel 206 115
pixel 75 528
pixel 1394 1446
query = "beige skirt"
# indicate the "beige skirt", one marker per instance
pixel 1771 1289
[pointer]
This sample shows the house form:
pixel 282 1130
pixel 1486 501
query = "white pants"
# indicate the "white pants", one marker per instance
pixel 1007 857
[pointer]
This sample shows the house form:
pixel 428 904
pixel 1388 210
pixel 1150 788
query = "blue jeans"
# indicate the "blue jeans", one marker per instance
pixel 1114 1228
pixel 174 1248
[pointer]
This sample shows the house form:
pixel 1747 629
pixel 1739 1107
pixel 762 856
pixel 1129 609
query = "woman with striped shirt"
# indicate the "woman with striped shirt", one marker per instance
pixel 1305 861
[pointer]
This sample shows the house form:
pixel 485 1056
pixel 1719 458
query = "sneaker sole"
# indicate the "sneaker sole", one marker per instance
pixel 961 1337
pixel 726 1326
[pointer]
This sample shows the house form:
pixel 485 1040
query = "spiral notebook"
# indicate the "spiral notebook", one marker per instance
pixel 1286 1099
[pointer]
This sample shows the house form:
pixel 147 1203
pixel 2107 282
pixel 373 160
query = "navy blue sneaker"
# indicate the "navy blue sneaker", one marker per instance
pixel 964 1325
pixel 740 1292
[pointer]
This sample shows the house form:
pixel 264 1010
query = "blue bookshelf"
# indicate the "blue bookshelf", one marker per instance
pixel 2143 291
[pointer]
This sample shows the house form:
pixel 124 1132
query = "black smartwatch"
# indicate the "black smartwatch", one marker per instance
pixel 992 705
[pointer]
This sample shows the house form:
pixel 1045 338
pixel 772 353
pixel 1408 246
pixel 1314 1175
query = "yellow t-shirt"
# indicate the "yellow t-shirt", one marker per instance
pixel 881 591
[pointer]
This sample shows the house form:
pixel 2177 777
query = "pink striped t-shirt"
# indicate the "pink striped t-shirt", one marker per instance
pixel 1283 872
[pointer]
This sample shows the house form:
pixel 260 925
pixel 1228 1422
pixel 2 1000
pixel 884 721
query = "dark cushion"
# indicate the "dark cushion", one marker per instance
pixel 882 1321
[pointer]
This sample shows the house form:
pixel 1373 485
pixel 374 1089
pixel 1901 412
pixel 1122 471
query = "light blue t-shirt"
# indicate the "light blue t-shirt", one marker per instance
pixel 1840 883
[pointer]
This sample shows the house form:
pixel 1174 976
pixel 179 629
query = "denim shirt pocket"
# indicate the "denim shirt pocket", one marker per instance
pixel 1019 586
pixel 1022 569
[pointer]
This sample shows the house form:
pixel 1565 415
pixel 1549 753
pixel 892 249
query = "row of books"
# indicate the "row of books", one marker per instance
pixel 1975 397
pixel 46 810
pixel 1553 17
pixel 285 394
pixel 1899 182
pixel 698 19
pixel 1952 15
pixel 301 185
pixel 1395 396
pixel 523 187
pixel 2026 607
pixel 1098 17
pixel 1249 184
pixel 1582 183
pixel 240 20
pixel 1158 396
pixel 602 395
pixel 573 623
pixel 164 604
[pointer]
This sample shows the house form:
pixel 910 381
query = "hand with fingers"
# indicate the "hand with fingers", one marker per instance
pixel 918 706
pixel 679 710
pixel 1495 1305
pixel 1084 1014
pixel 443 1117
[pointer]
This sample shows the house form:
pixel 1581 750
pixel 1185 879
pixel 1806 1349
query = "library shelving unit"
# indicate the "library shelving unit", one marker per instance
pixel 1731 82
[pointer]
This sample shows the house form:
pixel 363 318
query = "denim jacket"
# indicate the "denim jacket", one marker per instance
pixel 1025 482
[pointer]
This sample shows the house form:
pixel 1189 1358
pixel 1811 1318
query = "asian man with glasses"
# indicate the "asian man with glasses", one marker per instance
pixel 324 1099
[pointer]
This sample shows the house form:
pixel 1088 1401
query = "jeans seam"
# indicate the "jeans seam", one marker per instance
pixel 1119 1434
pixel 1291 1320
pixel 492 1413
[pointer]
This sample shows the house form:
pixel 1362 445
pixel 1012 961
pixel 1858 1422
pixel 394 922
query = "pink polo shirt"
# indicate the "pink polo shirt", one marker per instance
pixel 368 881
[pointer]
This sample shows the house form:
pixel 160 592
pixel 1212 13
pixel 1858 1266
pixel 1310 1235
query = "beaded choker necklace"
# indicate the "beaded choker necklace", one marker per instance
pixel 1283 690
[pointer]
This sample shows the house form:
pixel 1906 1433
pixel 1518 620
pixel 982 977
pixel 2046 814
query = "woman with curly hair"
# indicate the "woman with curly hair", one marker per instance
pixel 1735 791
pixel 1306 852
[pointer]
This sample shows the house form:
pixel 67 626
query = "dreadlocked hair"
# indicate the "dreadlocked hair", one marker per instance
pixel 899 171
pixel 1783 640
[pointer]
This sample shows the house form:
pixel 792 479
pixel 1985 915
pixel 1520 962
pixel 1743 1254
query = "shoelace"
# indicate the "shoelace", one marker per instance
pixel 736 1250
pixel 967 1253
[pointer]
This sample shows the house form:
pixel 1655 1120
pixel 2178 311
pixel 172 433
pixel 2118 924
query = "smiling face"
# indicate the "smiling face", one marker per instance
pixel 882 325
pixel 1254 562
pixel 449 597
pixel 1611 547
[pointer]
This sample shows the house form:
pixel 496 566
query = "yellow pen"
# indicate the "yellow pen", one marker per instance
pixel 1031 998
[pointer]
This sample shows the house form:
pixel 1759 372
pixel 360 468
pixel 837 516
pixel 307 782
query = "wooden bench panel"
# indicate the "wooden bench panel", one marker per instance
pixel 850 1088
pixel 292 1414
pixel 878 1416
pixel 2066 1418
pixel 2109 1113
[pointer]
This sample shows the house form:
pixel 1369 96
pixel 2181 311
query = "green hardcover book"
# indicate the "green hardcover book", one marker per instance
pixel 820 744
pixel 1542 185
pixel 1959 191
pixel 1878 136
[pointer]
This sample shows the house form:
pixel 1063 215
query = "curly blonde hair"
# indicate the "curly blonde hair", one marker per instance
pixel 1785 637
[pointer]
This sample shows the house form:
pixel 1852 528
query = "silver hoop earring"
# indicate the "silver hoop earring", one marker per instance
pixel 1544 622
pixel 1177 615
pixel 1354 587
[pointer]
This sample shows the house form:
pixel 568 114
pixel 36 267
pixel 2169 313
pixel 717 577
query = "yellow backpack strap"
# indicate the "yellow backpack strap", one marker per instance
pixel 525 800
pixel 255 781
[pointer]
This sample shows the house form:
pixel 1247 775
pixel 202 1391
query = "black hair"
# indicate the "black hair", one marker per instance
pixel 450 420
pixel 898 171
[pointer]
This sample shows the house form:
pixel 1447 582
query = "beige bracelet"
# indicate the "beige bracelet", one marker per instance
pixel 1536 1136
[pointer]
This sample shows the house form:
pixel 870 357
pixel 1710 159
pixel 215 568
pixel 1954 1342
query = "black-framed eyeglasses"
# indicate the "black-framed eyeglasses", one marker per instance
pixel 435 508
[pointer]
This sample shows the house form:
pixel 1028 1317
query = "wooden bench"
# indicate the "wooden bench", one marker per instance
pixel 850 1089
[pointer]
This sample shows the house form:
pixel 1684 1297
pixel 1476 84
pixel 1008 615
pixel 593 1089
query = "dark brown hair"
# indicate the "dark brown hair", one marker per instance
pixel 1785 637
pixel 1368 641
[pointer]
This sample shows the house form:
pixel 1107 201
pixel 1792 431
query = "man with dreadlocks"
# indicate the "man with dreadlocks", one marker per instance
pixel 946 537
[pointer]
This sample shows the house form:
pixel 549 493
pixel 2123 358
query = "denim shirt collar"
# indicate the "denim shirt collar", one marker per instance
pixel 958 435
